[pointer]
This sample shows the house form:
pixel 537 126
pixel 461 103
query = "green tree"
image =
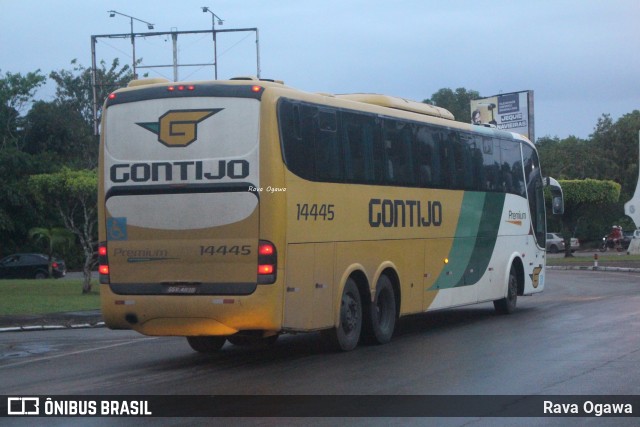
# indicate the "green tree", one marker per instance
pixel 618 144
pixel 73 195
pixel 567 159
pixel 458 102
pixel 52 237
pixel 75 86
pixel 16 91
pixel 17 215
pixel 61 134
pixel 580 198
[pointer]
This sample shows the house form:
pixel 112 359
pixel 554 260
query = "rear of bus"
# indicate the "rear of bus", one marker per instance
pixel 179 215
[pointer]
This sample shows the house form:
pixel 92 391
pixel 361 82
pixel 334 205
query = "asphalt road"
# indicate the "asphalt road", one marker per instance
pixel 579 337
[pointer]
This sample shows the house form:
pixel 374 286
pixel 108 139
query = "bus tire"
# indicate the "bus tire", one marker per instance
pixel 206 344
pixel 346 336
pixel 507 305
pixel 383 312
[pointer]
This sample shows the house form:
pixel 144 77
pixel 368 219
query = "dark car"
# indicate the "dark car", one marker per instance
pixel 30 266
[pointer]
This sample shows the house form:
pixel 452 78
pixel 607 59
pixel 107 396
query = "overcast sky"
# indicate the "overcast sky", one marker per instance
pixel 580 57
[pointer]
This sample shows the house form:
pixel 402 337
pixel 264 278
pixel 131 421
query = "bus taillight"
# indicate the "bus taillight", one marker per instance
pixel 267 262
pixel 103 263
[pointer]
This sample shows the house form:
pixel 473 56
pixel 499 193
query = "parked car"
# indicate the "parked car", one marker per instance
pixel 555 243
pixel 30 266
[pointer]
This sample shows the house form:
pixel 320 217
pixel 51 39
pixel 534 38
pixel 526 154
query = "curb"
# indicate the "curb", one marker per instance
pixel 27 328
pixel 591 268
pixel 52 321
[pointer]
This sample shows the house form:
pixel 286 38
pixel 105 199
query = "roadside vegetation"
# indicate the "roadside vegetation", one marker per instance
pixel 45 296
pixel 609 259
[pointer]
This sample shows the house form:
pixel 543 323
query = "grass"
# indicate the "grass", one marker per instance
pixel 608 259
pixel 46 296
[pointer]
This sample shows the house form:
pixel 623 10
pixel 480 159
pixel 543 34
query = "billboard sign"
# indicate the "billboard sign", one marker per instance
pixel 511 112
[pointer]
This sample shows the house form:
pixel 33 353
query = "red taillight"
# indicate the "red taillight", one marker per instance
pixel 54 264
pixel 265 269
pixel 266 249
pixel 256 88
pixel 267 262
pixel 103 263
pixel 112 96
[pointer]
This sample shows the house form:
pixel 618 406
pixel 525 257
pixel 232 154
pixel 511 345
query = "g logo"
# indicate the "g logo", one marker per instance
pixel 179 128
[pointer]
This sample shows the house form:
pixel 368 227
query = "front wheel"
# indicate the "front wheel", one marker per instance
pixel 507 304
pixel 205 344
pixel 345 337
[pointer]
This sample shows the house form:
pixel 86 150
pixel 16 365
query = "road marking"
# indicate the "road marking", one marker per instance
pixel 73 353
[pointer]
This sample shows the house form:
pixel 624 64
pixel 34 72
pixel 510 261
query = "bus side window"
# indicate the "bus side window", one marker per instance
pixel 360 139
pixel 398 143
pixel 297 143
pixel 447 161
pixel 513 176
pixel 491 164
pixel 328 156
pixel 354 148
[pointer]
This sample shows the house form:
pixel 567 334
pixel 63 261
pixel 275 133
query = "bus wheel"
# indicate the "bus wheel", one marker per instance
pixel 206 344
pixel 346 336
pixel 383 312
pixel 507 304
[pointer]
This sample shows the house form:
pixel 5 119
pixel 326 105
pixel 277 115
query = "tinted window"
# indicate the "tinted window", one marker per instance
pixel 427 148
pixel 534 188
pixel 512 173
pixel 321 143
pixel 364 156
pixel 328 151
pixel 398 145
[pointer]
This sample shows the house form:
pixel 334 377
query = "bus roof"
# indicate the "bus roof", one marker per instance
pixel 399 104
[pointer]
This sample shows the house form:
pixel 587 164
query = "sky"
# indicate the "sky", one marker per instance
pixel 579 57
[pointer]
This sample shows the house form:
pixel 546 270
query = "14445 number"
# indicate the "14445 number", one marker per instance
pixel 225 250
pixel 316 212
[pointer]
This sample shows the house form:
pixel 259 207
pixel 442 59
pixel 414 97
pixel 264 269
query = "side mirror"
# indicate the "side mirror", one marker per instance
pixel 557 198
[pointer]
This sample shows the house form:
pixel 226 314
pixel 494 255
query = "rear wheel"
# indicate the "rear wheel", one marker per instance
pixel 383 312
pixel 507 304
pixel 346 336
pixel 206 344
pixel 41 275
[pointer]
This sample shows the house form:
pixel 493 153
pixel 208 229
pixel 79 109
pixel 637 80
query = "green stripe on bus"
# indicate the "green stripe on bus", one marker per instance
pixel 485 240
pixel 474 241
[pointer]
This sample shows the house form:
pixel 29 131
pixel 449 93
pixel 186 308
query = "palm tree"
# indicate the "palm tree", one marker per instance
pixel 53 237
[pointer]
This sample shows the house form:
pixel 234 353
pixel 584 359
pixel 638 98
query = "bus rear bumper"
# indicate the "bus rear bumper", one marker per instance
pixel 178 315
pixel 183 327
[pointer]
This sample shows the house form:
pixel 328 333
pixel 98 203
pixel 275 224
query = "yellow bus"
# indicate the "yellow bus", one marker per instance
pixel 239 210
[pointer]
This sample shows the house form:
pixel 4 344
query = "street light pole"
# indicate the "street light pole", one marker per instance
pixel 205 9
pixel 113 13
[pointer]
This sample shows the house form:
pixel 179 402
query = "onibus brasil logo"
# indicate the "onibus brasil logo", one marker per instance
pixel 178 128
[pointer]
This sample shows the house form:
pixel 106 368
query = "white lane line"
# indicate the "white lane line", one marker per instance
pixel 73 353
